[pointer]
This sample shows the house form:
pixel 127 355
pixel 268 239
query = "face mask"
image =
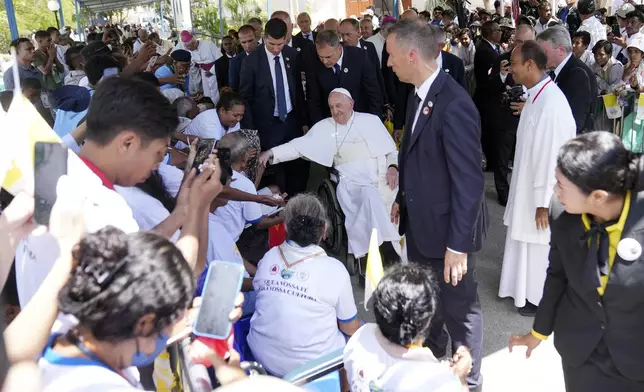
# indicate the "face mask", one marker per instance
pixel 141 359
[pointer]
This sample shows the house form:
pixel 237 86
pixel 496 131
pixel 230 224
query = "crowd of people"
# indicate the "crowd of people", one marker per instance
pixel 407 115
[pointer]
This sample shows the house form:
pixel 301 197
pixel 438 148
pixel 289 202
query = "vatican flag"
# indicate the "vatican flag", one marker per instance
pixel 375 270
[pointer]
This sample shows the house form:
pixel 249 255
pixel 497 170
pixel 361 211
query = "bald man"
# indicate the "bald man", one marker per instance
pixel 304 23
pixel 138 44
pixel 409 15
pixel 359 147
pixel 332 24
pixel 305 48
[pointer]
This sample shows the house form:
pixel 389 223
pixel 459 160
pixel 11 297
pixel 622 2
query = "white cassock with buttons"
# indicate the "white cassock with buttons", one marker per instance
pixel 361 151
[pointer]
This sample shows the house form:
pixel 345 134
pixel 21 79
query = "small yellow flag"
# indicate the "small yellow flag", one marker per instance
pixel 375 271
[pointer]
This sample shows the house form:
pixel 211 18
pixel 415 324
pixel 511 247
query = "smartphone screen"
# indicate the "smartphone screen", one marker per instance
pixel 204 149
pixel 50 163
pixel 221 287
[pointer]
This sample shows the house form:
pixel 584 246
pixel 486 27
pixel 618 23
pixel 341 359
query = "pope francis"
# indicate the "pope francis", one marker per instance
pixel 359 147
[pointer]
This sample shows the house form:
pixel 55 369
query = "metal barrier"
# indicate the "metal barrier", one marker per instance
pixel 629 126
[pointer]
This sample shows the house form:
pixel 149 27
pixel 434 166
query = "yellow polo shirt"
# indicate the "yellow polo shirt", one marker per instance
pixel 614 236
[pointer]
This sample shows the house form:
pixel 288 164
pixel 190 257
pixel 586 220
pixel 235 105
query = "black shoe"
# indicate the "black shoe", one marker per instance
pixel 503 201
pixel 529 310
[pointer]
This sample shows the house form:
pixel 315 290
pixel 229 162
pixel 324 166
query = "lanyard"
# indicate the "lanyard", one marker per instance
pixel 75 340
pixel 540 90
pixel 316 254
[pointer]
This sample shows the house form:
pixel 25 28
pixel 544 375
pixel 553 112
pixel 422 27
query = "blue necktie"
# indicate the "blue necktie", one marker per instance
pixel 338 74
pixel 279 90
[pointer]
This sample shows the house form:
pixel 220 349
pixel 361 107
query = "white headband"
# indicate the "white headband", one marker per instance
pixel 342 91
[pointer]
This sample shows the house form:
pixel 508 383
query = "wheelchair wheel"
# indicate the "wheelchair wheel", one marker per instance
pixel 352 265
pixel 335 233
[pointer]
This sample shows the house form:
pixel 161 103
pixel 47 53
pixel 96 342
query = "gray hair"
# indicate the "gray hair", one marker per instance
pixel 441 38
pixel 305 219
pixel 183 106
pixel 238 145
pixel 526 27
pixel 413 34
pixel 328 38
pixel 558 36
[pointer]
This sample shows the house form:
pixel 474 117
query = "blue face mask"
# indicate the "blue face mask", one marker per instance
pixel 141 359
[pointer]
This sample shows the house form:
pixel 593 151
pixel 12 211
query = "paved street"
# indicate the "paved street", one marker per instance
pixel 502 371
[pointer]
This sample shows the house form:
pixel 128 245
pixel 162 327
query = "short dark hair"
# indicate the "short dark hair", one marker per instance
pixel 488 28
pixel 147 77
pixel 153 35
pixel 352 21
pixel 95 48
pixel 635 14
pixel 92 37
pixel 405 302
pixel 544 3
pixel 246 29
pixel 254 20
pixel 449 13
pixel 128 103
pixel 32 83
pixel 40 34
pixel 425 14
pixel 275 28
pixel 52 30
pixel 230 99
pixel 603 44
pixel 584 35
pixel 438 8
pixel 5 99
pixel 122 277
pixel 599 160
pixel 531 50
pixel 71 54
pixel 327 38
pixel 586 7
pixel 16 43
pixel 96 65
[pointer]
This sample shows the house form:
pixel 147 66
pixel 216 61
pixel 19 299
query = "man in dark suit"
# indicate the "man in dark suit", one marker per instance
pixel 248 41
pixel 440 203
pixel 350 32
pixel 304 23
pixel 345 67
pixel 505 110
pixel 304 47
pixel 574 78
pixel 487 50
pixel 270 84
pixel 222 64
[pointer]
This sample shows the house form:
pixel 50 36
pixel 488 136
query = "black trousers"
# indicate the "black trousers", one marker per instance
pixel 504 145
pixel 291 177
pixel 458 311
pixel 598 374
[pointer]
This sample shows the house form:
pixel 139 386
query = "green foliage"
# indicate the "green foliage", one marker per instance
pixel 206 18
pixel 167 12
pixel 242 10
pixel 32 15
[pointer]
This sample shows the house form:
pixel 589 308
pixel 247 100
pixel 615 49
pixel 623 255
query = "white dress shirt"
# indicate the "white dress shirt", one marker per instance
pixel 422 92
pixel 379 42
pixel 271 66
pixel 595 28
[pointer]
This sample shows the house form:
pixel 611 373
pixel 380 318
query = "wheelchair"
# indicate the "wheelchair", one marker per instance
pixel 336 241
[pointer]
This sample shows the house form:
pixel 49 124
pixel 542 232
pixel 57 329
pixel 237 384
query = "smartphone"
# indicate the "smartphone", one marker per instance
pixel 616 31
pixel 50 163
pixel 204 149
pixel 223 282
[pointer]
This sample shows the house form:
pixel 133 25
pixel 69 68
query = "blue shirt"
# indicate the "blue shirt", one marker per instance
pixel 166 72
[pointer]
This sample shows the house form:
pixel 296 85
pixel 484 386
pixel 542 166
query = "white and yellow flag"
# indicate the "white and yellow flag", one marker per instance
pixel 375 271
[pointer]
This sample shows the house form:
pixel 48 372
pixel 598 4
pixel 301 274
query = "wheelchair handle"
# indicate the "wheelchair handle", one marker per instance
pixel 253 368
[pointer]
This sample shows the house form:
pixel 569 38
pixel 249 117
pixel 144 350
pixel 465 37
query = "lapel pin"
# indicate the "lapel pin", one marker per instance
pixel 426 111
pixel 430 104
pixel 365 48
pixel 629 249
pixel 288 65
pixel 346 70
pixel 287 59
pixel 298 48
pixel 447 70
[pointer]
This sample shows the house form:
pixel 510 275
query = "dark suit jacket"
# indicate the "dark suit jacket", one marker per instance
pixel 452 65
pixel 306 52
pixel 222 68
pixel 579 85
pixel 372 55
pixel 446 208
pixel 358 76
pixel 572 308
pixel 300 35
pixel 256 87
pixel 483 61
pixel 234 69
pixel 501 115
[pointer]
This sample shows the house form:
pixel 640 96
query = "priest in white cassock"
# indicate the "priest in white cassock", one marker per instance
pixel 546 124
pixel 202 71
pixel 359 147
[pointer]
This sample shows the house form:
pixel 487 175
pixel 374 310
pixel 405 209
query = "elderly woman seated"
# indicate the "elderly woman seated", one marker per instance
pixel 388 355
pixel 304 303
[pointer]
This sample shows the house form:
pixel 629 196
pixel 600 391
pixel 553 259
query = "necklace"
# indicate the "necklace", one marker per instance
pixel 337 147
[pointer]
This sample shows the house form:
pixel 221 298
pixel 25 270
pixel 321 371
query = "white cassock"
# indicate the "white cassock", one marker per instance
pixel 204 57
pixel 546 124
pixel 361 151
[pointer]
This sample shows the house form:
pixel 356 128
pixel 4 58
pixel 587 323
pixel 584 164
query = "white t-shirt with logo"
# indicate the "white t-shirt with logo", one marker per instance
pixel 148 212
pixel 221 245
pixel 235 214
pixel 207 126
pixel 36 255
pixel 298 307
pixel 373 363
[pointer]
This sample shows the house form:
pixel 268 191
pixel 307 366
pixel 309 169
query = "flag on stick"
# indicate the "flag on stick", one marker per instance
pixel 375 271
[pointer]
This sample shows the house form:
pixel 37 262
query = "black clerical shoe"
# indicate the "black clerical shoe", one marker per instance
pixel 529 310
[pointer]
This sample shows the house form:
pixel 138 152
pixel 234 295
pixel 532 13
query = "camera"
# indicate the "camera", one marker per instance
pixel 513 94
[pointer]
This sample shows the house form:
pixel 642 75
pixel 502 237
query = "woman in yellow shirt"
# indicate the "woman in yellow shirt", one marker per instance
pixel 593 298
